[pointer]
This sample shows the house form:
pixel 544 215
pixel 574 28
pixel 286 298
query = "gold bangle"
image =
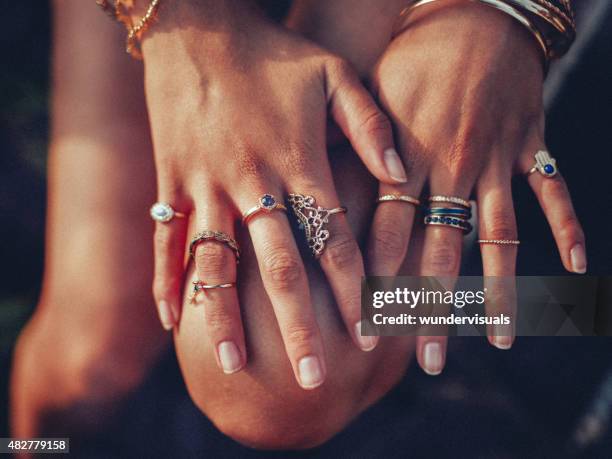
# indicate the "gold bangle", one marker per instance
pixel 121 11
pixel 505 8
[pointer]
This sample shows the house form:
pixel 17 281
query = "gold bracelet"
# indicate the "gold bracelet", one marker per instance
pixel 121 12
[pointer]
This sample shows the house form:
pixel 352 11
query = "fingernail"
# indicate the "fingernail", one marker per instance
pixel 366 343
pixel 165 315
pixel 432 359
pixel 578 256
pixel 229 356
pixel 394 165
pixel 310 372
pixel 502 337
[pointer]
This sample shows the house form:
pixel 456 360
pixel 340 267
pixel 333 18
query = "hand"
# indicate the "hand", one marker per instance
pixel 463 87
pixel 238 109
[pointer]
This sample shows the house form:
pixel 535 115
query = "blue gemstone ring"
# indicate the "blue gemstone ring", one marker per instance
pixel 451 222
pixel 450 212
pixel 162 212
pixel 267 203
pixel 545 164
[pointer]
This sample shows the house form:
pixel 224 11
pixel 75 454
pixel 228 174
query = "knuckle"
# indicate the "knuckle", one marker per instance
pixel 390 242
pixel 299 335
pixel 283 269
pixel 341 251
pixel 164 239
pixel 217 319
pixel 211 257
pixel 295 158
pixel 443 259
pixel 501 226
pixel 249 164
pixel 374 121
pixel 570 228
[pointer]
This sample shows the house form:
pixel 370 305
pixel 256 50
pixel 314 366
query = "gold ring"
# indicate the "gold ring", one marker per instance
pixel 218 236
pixel 452 200
pixel 267 203
pixel 199 286
pixel 163 212
pixel 499 241
pixel 313 219
pixel 399 198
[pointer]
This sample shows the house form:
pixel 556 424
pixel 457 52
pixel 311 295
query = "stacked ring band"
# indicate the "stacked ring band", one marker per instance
pixel 544 164
pixel 163 212
pixel 267 203
pixel 499 241
pixel 218 236
pixel 451 222
pixel 451 200
pixel 199 286
pixel 313 219
pixel 399 198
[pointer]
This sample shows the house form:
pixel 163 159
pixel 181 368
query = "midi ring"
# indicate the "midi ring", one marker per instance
pixel 199 286
pixel 313 219
pixel 452 200
pixel 499 241
pixel 218 236
pixel 544 164
pixel 399 198
pixel 267 203
pixel 163 212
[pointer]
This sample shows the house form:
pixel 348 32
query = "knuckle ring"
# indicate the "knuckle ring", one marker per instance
pixel 451 217
pixel 199 286
pixel 544 164
pixel 399 198
pixel 267 203
pixel 313 219
pixel 163 212
pixel 452 200
pixel 217 236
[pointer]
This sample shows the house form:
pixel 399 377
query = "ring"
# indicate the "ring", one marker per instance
pixel 267 203
pixel 399 198
pixel 162 212
pixel 499 241
pixel 451 222
pixel 452 200
pixel 312 219
pixel 218 236
pixel 199 286
pixel 450 212
pixel 545 164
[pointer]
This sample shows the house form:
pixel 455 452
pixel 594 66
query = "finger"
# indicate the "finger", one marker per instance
pixel 391 230
pixel 215 265
pixel 340 258
pixel 556 202
pixel 441 259
pixel 285 281
pixel 497 221
pixel 365 125
pixel 169 248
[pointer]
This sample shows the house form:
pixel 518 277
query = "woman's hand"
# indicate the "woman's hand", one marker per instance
pixel 238 109
pixel 463 87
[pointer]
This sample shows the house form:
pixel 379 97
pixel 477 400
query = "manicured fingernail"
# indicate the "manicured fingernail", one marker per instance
pixel 310 372
pixel 165 315
pixel 229 356
pixel 432 358
pixel 366 343
pixel 394 165
pixel 502 337
pixel 579 261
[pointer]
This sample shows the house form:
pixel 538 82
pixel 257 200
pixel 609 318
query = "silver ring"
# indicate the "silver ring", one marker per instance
pixel 313 219
pixel 544 164
pixel 199 286
pixel 163 212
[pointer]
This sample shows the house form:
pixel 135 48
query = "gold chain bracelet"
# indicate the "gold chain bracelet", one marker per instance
pixel 121 11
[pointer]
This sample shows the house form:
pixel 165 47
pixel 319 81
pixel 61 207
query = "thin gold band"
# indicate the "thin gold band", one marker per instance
pixel 499 241
pixel 399 198
pixel 452 200
pixel 198 286
pixel 267 203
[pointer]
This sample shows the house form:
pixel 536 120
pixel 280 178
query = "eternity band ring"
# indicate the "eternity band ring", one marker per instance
pixel 544 164
pixel 267 203
pixel 163 212
pixel 313 219
pixel 451 199
pixel 399 198
pixel 499 241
